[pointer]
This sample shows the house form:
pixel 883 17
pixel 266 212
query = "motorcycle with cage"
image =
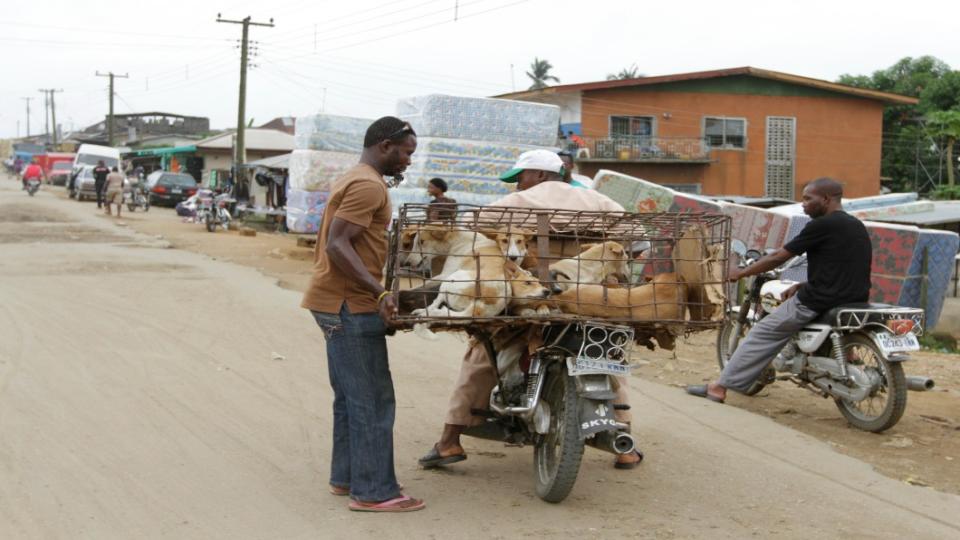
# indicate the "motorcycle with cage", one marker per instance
pixel 853 353
pixel 557 394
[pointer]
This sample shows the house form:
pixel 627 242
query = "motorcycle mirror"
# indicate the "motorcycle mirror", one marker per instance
pixel 752 254
pixel 738 247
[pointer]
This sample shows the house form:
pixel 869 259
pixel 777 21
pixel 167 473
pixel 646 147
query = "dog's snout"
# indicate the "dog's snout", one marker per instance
pixel 513 258
pixel 556 288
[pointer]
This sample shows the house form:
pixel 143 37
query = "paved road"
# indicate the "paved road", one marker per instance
pixel 139 397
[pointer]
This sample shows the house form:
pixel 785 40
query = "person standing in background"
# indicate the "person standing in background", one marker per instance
pixel 100 173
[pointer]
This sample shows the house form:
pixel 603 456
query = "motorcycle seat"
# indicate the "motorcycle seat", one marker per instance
pixel 830 316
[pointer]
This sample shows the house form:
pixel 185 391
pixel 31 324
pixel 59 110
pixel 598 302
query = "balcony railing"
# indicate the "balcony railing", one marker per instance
pixel 644 149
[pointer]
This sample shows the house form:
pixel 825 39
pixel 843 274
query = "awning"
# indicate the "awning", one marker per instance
pixel 274 162
pixel 162 151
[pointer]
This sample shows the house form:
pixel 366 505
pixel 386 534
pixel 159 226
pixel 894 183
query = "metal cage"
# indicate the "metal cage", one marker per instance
pixel 473 266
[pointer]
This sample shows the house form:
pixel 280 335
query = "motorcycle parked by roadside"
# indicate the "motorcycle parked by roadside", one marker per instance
pixel 559 399
pixel 212 210
pixel 853 353
pixel 137 197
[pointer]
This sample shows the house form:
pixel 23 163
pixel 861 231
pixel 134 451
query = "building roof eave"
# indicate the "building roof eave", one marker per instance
pixel 886 97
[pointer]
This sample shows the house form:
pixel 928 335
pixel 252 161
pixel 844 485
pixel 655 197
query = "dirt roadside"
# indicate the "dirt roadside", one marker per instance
pixel 923 449
pixel 158 393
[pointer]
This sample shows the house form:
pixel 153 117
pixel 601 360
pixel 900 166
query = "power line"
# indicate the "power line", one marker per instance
pixel 112 76
pixel 27 99
pixel 241 156
pixel 48 94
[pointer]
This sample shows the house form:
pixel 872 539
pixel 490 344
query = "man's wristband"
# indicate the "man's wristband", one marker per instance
pixel 382 295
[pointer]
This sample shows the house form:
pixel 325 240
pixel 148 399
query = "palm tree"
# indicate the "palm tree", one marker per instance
pixel 631 72
pixel 540 74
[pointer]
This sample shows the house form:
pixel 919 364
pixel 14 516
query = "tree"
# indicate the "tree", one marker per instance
pixel 908 148
pixel 540 74
pixel 947 124
pixel 631 72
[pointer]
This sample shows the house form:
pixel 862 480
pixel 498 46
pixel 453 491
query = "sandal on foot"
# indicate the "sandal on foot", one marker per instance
pixel 631 464
pixel 434 459
pixel 398 504
pixel 700 390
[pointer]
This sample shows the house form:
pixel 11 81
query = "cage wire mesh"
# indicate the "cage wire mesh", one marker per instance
pixel 496 266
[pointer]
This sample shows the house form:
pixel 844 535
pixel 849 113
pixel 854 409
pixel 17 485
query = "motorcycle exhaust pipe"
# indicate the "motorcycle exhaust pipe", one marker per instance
pixel 920 384
pixel 615 442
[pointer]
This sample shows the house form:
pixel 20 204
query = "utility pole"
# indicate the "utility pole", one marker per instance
pixel 49 102
pixel 27 99
pixel 110 115
pixel 240 150
pixel 46 113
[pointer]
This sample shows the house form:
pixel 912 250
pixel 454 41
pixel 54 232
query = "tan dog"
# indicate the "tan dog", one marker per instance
pixel 459 246
pixel 467 294
pixel 661 299
pixel 514 243
pixel 595 264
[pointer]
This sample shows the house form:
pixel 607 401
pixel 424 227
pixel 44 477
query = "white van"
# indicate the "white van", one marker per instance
pixel 87 156
pixel 90 154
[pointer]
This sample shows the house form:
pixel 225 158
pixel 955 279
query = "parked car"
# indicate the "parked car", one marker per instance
pixel 170 187
pixel 60 173
pixel 84 185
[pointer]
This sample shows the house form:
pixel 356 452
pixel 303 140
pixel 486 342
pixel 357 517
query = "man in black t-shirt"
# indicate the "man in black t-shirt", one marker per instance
pixel 839 255
pixel 100 173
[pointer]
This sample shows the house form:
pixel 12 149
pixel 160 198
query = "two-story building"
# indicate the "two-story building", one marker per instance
pixel 741 131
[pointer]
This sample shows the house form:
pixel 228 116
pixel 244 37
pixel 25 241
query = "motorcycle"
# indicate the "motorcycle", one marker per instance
pixel 558 399
pixel 33 185
pixel 212 210
pixel 852 353
pixel 136 197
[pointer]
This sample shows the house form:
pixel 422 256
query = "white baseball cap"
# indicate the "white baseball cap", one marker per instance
pixel 538 160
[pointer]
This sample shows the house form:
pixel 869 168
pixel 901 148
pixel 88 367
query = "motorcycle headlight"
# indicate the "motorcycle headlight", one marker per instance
pixel 769 303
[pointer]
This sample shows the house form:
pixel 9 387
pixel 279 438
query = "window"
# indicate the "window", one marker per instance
pixel 722 132
pixel 631 126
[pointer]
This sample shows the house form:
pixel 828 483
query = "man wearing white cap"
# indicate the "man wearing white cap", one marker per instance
pixel 539 178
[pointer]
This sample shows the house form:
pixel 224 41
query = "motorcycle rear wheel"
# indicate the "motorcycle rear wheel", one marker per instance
pixel 882 410
pixel 131 207
pixel 724 354
pixel 556 457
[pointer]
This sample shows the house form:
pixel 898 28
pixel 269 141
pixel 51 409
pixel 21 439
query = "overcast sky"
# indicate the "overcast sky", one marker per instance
pixel 368 53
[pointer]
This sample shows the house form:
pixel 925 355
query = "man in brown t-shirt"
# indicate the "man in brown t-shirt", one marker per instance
pixel 353 309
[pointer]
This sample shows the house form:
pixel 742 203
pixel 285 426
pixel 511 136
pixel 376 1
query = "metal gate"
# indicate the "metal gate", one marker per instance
pixel 781 156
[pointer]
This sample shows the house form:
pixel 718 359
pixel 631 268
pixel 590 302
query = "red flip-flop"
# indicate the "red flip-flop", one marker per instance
pixel 392 505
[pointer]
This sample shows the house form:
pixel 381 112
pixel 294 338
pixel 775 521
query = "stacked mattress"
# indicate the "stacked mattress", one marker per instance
pixel 898 250
pixel 326 146
pixel 469 142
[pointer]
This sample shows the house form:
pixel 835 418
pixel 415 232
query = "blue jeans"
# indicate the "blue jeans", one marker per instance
pixel 363 404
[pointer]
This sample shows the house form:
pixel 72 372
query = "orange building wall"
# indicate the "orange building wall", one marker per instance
pixel 835 136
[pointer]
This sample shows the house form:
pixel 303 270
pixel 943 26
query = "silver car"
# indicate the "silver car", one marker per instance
pixel 84 185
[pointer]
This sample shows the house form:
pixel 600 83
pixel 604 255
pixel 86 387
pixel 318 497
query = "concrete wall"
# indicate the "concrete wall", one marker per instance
pixel 836 136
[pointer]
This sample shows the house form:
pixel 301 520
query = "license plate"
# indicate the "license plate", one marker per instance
pixel 587 366
pixel 891 344
pixel 176 190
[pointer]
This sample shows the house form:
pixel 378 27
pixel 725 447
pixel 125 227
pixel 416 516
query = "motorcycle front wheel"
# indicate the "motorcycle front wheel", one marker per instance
pixel 556 458
pixel 882 409
pixel 724 353
pixel 211 222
